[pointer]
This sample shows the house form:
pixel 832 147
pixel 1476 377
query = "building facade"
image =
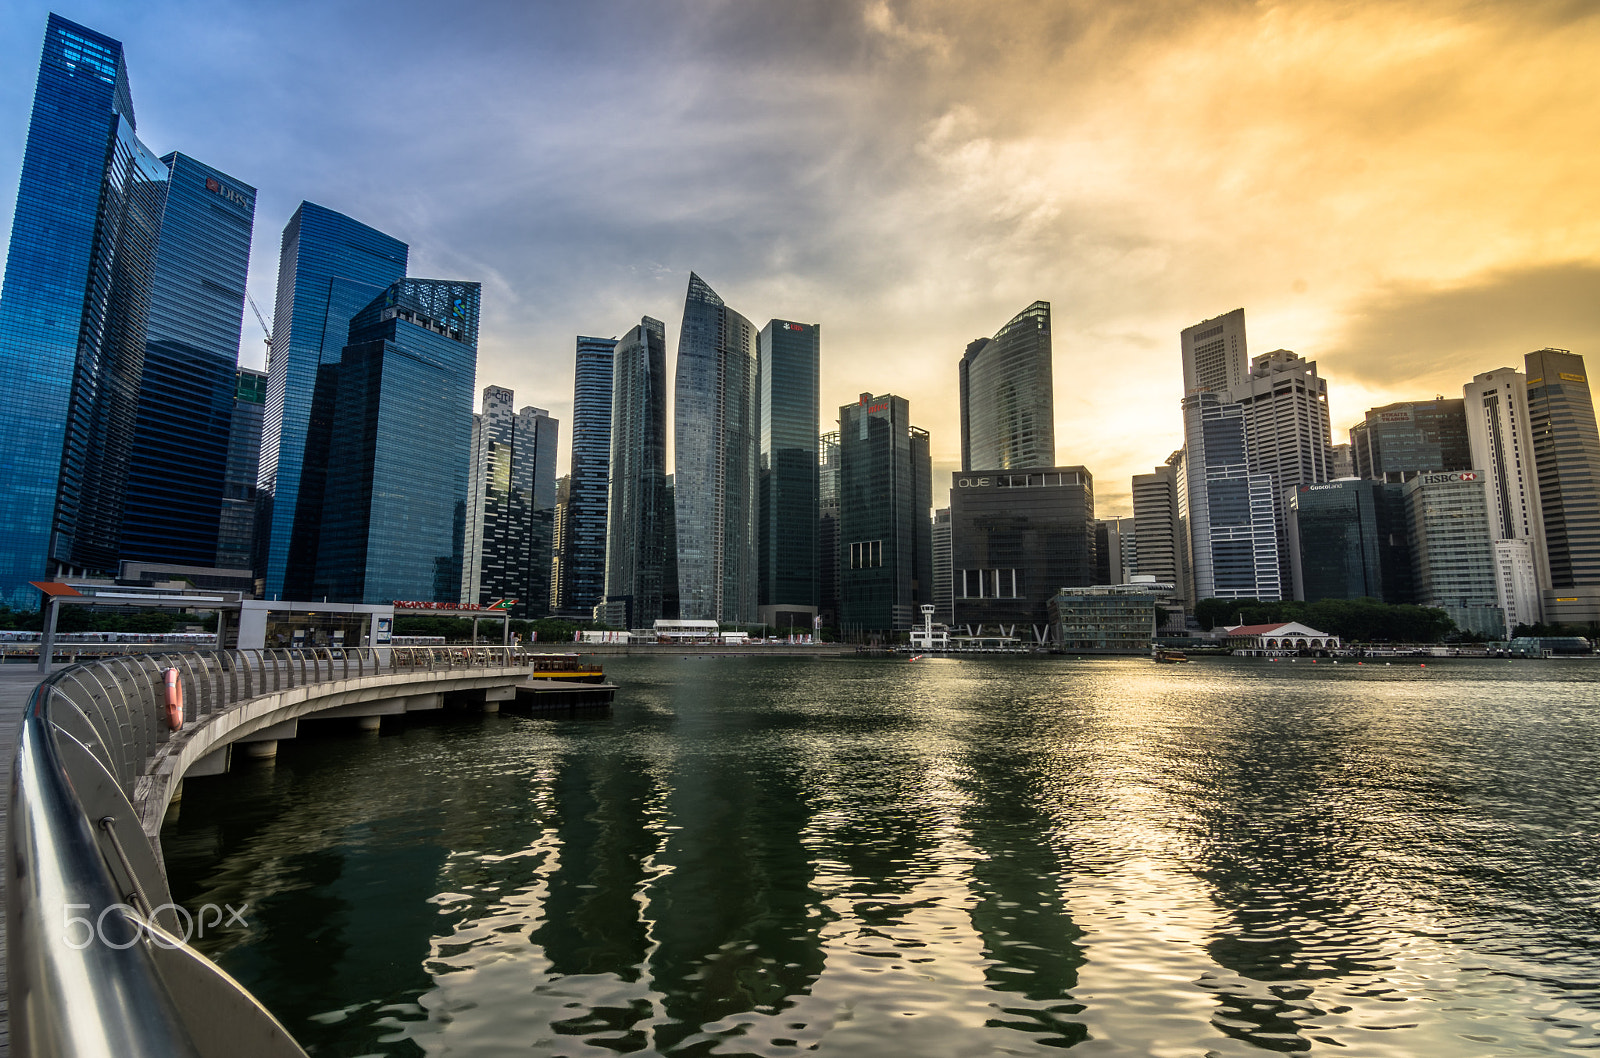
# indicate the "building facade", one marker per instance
pixel 1566 453
pixel 1159 530
pixel 885 536
pixel 1115 544
pixel 1016 540
pixel 179 462
pixel 715 458
pixel 828 528
pixel 1398 441
pixel 639 563
pixel 511 505
pixel 1106 618
pixel 1216 356
pixel 73 314
pixel 788 366
pixel 1348 540
pixel 236 526
pixel 330 268
pixel 1500 437
pixel 943 580
pixel 1007 395
pixel 1230 510
pixel 582 576
pixel 1452 549
pixel 399 443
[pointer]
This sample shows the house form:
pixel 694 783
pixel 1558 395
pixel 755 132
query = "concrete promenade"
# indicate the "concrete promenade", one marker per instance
pixel 16 685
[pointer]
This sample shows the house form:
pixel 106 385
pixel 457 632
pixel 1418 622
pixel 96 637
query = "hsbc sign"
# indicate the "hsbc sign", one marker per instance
pixel 1445 479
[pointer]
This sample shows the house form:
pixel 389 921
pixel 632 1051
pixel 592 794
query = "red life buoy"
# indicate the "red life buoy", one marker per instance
pixel 174 699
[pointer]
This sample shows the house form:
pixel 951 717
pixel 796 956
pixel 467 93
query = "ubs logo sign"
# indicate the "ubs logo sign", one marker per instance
pixel 217 187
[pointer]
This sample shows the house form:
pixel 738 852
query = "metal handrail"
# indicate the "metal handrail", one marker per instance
pixel 88 734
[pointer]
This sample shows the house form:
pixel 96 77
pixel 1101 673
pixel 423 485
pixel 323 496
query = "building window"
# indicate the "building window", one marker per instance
pixel 866 554
pixel 989 583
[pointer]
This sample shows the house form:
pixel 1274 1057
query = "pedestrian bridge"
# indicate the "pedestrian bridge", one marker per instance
pixel 96 963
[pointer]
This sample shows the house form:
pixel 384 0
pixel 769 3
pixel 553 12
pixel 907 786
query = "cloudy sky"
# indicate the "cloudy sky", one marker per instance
pixel 1403 191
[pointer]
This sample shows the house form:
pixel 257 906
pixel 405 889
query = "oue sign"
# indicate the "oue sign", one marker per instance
pixel 972 483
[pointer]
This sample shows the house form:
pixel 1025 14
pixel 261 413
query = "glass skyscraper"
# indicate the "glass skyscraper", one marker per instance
pixel 1007 396
pixel 511 496
pixel 236 527
pixel 582 580
pixel 1348 540
pixel 180 456
pixel 885 535
pixel 828 528
pixel 1398 441
pixel 73 313
pixel 1233 543
pixel 329 268
pixel 394 506
pixel 638 563
pixel 1566 453
pixel 715 460
pixel 789 363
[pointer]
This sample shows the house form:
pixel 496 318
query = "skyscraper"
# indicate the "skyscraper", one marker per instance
pixel 399 440
pixel 1398 441
pixel 329 268
pixel 943 582
pixel 236 527
pixel 1231 511
pixel 788 356
pixel 885 536
pixel 511 491
pixel 1158 529
pixel 637 563
pixel 1215 355
pixel 1348 540
pixel 1007 396
pixel 559 539
pixel 173 508
pixel 1566 452
pixel 1500 438
pixel 582 581
pixel 73 313
pixel 715 422
pixel 1452 552
pixel 828 527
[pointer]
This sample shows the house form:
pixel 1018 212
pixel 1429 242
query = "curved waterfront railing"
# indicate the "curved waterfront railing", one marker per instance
pixel 95 954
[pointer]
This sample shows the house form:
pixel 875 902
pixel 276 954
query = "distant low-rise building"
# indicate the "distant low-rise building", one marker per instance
pixel 1287 637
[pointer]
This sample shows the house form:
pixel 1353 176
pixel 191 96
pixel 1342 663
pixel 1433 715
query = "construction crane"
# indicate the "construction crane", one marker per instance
pixel 265 329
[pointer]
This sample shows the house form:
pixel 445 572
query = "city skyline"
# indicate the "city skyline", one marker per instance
pixel 1392 199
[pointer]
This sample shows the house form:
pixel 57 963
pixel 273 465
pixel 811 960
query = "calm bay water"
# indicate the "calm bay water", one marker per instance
pixel 772 856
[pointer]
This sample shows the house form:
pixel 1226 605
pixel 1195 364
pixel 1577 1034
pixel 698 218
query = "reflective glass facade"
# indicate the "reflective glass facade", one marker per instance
pixel 394 517
pixel 1230 511
pixel 789 357
pixel 1452 548
pixel 180 455
pixel 1397 441
pixel 885 533
pixel 1008 396
pixel 582 581
pixel 329 268
pixel 1566 452
pixel 828 528
pixel 715 460
pixel 510 506
pixel 638 563
pixel 237 525
pixel 1348 540
pixel 73 313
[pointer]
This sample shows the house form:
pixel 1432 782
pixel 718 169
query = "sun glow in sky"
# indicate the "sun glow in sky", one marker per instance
pixel 1403 192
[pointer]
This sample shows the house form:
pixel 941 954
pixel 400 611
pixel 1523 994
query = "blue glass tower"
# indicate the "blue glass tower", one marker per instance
pixel 236 527
pixel 400 439
pixel 329 269
pixel 639 566
pixel 583 569
pixel 788 393
pixel 73 313
pixel 715 423
pixel 186 402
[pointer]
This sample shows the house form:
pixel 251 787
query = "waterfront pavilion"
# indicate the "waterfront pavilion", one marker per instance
pixel 1285 638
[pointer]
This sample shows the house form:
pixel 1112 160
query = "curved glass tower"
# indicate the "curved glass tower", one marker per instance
pixel 716 418
pixel 637 563
pixel 1007 396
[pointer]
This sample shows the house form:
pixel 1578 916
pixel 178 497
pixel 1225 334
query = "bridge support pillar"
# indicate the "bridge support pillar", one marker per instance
pixel 370 723
pixel 491 707
pixel 261 749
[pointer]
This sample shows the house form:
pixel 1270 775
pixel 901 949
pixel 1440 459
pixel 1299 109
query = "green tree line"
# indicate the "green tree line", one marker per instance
pixel 1353 620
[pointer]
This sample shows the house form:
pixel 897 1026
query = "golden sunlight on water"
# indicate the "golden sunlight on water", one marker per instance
pixel 872 857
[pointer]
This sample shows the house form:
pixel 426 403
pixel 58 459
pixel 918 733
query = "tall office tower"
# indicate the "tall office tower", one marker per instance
pixel 1114 542
pixel 1516 583
pixel 637 563
pixel 1215 355
pixel 1232 520
pixel 1348 540
pixel 559 540
pixel 1286 421
pixel 329 268
pixel 179 461
pixel 73 314
pixel 1399 441
pixel 511 499
pixel 1452 550
pixel 943 584
pixel 788 359
pixel 885 537
pixel 1159 531
pixel 236 527
pixel 828 528
pixel 582 581
pixel 1016 540
pixel 716 418
pixel 1341 461
pixel 1566 452
pixel 1500 436
pixel 1007 396
pixel 399 444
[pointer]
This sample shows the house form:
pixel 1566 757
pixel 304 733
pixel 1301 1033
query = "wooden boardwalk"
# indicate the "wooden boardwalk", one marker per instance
pixel 16 685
